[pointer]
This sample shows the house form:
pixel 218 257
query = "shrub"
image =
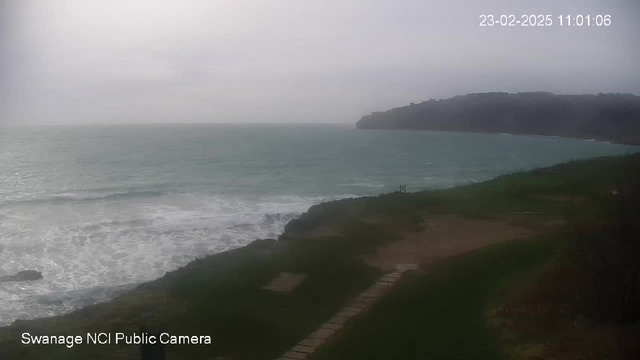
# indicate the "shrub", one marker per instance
pixel 608 253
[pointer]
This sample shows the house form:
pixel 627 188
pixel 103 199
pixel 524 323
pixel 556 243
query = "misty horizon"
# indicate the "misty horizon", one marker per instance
pixel 273 123
pixel 96 62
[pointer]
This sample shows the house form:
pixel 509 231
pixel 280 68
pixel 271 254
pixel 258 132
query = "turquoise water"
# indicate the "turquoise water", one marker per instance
pixel 96 209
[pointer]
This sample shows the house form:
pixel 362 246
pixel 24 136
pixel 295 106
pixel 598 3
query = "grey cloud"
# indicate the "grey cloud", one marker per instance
pixel 98 61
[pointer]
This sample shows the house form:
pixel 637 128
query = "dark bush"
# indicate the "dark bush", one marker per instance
pixel 608 253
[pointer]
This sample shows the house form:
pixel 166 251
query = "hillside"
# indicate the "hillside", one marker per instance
pixel 606 117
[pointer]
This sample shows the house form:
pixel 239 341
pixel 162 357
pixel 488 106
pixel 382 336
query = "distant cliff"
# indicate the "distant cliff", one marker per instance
pixel 608 117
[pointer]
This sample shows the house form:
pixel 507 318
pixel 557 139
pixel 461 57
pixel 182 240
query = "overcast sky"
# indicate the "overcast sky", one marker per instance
pixel 149 61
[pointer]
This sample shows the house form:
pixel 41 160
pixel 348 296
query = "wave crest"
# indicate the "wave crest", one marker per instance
pixel 80 196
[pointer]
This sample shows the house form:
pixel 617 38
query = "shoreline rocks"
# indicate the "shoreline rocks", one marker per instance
pixel 26 275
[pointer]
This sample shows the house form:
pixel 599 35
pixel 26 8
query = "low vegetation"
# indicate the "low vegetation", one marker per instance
pixel 517 299
pixel 586 303
pixel 608 254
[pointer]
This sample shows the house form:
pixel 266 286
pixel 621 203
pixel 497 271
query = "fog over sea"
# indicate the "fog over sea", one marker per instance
pixel 98 209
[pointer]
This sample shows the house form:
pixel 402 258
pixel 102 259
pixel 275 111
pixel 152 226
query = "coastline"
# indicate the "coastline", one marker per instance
pixel 221 295
pixel 635 143
pixel 124 289
pixel 158 223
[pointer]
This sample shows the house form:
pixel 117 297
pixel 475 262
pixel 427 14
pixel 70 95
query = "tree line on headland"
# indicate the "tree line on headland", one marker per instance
pixel 611 117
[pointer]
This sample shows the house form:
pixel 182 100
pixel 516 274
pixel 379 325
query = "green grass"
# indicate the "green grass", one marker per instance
pixel 222 299
pixel 220 296
pixel 440 315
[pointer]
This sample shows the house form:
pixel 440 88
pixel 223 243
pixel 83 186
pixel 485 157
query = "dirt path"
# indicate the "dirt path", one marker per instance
pixel 306 347
pixel 444 236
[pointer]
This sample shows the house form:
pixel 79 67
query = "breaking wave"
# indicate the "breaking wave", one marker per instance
pixel 95 250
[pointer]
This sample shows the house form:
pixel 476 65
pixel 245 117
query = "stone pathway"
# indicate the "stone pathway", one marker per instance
pixel 361 303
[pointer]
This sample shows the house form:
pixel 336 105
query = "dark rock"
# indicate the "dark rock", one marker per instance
pixel 263 243
pixel 26 275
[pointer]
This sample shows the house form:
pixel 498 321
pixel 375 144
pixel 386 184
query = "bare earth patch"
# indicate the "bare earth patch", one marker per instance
pixel 285 282
pixel 444 236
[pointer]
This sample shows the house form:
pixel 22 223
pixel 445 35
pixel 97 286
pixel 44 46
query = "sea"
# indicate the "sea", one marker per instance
pixel 99 209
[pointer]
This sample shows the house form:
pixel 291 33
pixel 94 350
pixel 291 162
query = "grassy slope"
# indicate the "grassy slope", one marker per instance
pixel 220 296
pixel 440 315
